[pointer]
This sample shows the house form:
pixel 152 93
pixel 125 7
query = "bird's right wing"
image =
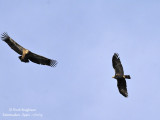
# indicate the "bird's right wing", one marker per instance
pixel 15 46
pixel 122 87
pixel 116 63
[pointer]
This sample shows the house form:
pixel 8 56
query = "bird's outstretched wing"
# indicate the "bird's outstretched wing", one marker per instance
pixel 122 87
pixel 15 46
pixel 41 60
pixel 116 63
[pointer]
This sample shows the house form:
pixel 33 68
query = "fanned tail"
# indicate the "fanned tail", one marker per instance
pixel 127 77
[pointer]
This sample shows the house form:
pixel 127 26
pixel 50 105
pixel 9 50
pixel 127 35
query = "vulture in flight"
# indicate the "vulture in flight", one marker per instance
pixel 27 55
pixel 119 75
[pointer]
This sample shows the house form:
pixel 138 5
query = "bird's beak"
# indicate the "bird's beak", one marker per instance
pixel 113 77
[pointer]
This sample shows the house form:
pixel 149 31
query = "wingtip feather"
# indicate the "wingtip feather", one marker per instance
pixel 53 63
pixel 116 55
pixel 4 36
pixel 126 95
pixel 124 92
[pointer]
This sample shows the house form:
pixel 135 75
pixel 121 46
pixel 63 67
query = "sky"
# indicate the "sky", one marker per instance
pixel 82 36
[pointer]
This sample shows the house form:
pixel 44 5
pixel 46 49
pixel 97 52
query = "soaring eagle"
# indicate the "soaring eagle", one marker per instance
pixel 119 75
pixel 27 55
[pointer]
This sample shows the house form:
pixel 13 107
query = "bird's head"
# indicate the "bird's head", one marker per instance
pixel 114 77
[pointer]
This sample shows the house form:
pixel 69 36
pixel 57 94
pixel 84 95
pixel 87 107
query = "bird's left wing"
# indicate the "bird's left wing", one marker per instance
pixel 41 60
pixel 122 87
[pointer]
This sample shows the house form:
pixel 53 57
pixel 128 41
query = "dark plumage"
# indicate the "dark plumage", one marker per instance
pixel 27 55
pixel 119 75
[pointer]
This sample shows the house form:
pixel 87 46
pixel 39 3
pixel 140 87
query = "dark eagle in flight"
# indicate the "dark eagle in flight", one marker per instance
pixel 119 75
pixel 27 55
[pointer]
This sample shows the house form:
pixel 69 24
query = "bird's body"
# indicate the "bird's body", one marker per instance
pixel 24 57
pixel 119 75
pixel 27 55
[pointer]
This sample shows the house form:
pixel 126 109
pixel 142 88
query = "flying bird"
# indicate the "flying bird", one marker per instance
pixel 27 55
pixel 119 75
